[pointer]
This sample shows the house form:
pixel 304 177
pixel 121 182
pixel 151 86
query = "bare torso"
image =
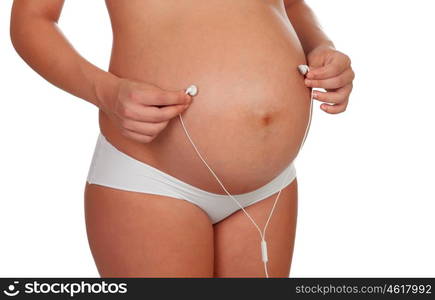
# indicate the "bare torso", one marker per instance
pixel 250 114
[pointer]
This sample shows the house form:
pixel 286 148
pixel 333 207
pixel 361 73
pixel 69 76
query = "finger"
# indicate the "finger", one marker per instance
pixel 136 136
pixel 166 113
pixel 336 97
pixel 162 97
pixel 332 83
pixel 334 108
pixel 151 114
pixel 338 65
pixel 143 128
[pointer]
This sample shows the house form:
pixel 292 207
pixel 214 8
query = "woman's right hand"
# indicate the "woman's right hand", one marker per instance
pixel 141 110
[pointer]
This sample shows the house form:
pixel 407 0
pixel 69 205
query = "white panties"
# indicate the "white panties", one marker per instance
pixel 113 168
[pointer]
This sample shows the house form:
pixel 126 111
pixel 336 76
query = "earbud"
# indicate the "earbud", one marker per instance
pixel 192 90
pixel 303 69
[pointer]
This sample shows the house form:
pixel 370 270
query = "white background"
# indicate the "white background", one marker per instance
pixel 366 177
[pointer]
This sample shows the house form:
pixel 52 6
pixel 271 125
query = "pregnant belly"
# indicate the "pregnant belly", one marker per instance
pixel 250 115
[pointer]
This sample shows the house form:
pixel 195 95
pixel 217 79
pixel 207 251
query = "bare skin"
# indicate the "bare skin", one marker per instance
pixel 247 46
pixel 167 237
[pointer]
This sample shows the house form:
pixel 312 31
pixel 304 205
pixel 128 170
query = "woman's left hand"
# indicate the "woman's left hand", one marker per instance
pixel 332 71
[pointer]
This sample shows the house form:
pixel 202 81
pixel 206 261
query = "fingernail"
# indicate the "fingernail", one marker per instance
pixel 307 81
pixel 315 94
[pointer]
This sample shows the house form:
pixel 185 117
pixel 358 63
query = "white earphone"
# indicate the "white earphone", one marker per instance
pixel 303 69
pixel 192 90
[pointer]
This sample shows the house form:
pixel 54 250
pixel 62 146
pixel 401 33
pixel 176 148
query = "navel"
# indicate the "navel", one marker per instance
pixel 266 119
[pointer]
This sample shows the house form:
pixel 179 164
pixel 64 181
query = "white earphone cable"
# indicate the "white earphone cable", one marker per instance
pixel 192 90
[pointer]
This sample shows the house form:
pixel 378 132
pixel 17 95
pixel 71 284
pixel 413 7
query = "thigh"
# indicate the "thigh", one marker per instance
pixel 142 235
pixel 237 241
